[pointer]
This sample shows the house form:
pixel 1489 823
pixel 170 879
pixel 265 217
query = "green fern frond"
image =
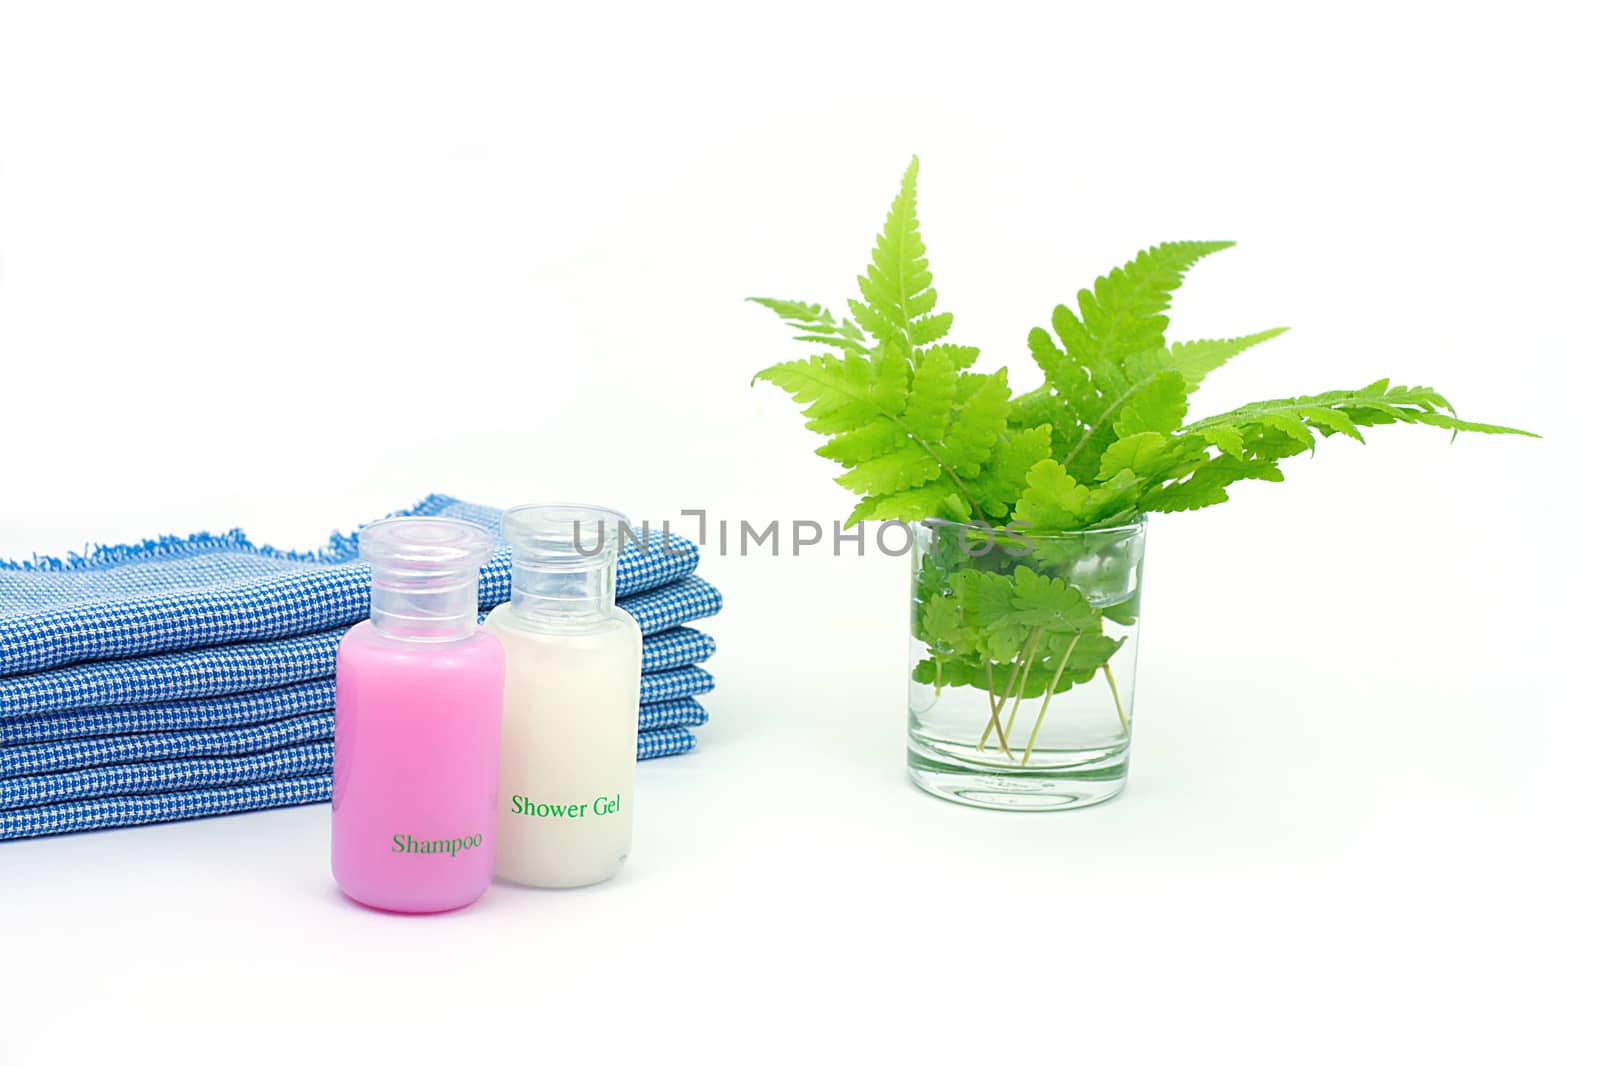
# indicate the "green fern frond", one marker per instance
pixel 1342 411
pixel 1001 482
pixel 1123 314
pixel 913 505
pixel 1208 483
pixel 1195 359
pixel 1112 355
pixel 897 294
pixel 919 434
pixel 816 324
pixel 908 437
pixel 1183 473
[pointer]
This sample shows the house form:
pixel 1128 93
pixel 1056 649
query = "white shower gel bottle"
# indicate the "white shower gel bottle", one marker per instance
pixel 570 725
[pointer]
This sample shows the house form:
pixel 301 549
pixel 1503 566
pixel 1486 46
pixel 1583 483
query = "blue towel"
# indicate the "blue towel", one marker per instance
pixel 235 668
pixel 170 594
pixel 674 685
pixel 666 652
pixel 121 810
pixel 58 755
pixel 184 678
pixel 175 775
pixel 56 773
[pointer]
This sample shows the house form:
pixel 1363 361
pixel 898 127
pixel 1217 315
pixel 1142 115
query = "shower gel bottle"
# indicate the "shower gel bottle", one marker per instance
pixel 570 729
pixel 417 724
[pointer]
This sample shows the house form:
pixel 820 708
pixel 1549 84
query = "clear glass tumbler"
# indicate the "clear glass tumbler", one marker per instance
pixel 1023 650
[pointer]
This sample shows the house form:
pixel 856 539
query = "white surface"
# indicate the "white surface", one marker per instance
pixel 291 267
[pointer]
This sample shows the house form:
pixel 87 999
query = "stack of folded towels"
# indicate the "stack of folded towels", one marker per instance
pixel 184 678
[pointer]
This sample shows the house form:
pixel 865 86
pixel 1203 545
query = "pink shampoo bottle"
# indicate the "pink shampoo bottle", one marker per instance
pixel 417 724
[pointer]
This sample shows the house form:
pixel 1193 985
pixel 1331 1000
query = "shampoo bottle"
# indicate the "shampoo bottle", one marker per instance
pixel 569 734
pixel 417 724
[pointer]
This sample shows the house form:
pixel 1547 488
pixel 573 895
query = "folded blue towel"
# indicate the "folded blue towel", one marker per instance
pixel 166 807
pixel 185 678
pixel 674 684
pixel 180 767
pixel 121 810
pixel 235 668
pixel 248 708
pixel 58 755
pixel 675 647
pixel 669 651
pixel 169 594
pixel 173 775
pixel 680 712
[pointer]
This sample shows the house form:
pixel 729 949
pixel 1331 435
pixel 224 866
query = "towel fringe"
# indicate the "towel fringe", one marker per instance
pixel 341 547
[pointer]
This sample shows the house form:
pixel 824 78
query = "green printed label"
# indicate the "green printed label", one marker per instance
pixel 406 844
pixel 600 806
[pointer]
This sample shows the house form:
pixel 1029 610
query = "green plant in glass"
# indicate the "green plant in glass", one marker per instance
pixel 1027 505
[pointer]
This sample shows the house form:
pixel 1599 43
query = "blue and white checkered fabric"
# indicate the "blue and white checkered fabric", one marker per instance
pixel 211 771
pixel 184 678
pixel 122 810
pixel 170 594
pixel 57 756
pixel 174 775
pixel 679 646
pixel 667 651
pixel 684 712
pixel 673 740
pixel 166 807
pixel 249 708
pixel 674 684
pixel 225 671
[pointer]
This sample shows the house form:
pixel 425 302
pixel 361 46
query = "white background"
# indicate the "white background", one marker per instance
pixel 290 266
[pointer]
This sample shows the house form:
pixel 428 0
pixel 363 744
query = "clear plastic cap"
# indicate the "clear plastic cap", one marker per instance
pixel 425 576
pixel 563 562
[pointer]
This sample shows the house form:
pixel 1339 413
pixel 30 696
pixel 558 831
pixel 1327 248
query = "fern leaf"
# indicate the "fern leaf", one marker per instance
pixel 897 295
pixel 856 446
pixel 1001 481
pixel 891 386
pixel 1117 500
pixel 1343 411
pixel 835 390
pixel 1208 484
pixel 929 501
pixel 920 435
pixel 961 356
pixel 907 436
pixel 1112 352
pixel 1158 406
pixel 1142 453
pixel 1228 440
pixel 904 416
pixel 1195 359
pixel 1053 499
pixel 1250 441
pixel 907 467
pixel 816 324
pixel 975 426
pixel 1123 314
pixel 932 397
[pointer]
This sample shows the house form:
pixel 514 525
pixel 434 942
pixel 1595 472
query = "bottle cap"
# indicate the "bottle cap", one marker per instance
pixel 563 561
pixel 425 576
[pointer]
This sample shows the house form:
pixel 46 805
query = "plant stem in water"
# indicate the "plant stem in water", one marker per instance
pixel 1032 649
pixel 1011 683
pixel 1117 699
pixel 1049 692
pixel 994 714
